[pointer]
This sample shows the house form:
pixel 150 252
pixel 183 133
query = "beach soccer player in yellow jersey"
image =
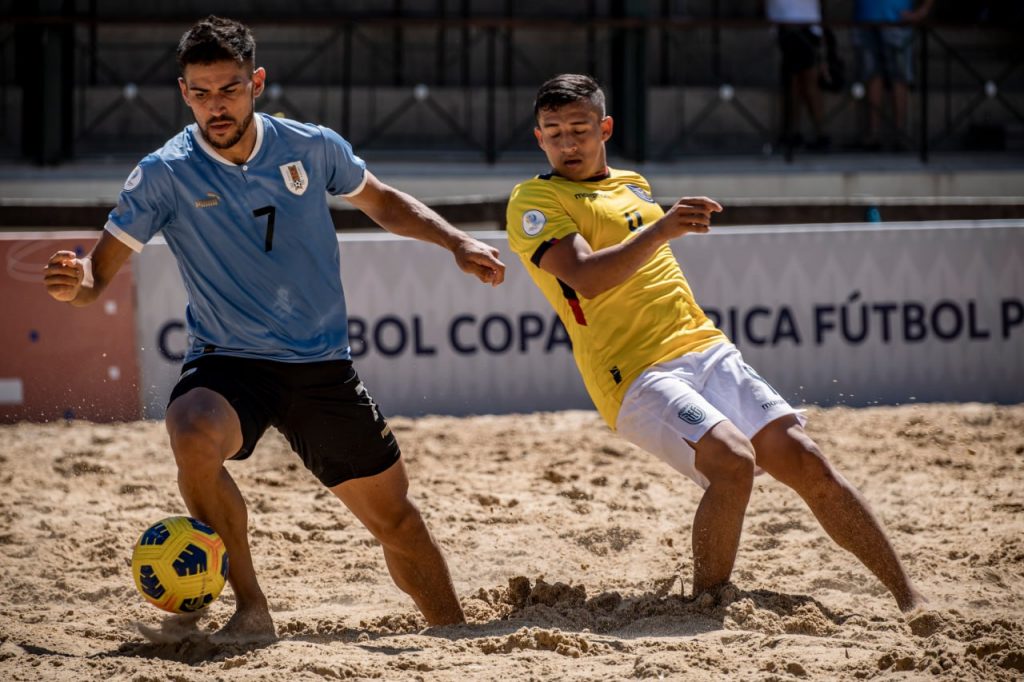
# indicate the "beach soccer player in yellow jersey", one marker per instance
pixel 658 370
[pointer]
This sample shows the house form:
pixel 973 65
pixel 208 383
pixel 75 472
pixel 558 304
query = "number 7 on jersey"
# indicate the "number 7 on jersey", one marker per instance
pixel 268 211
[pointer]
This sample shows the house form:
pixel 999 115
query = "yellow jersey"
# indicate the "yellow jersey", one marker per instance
pixel 652 317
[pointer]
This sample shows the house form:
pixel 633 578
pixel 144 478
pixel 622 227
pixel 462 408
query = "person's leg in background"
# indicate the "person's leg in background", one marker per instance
pixel 898 50
pixel 869 50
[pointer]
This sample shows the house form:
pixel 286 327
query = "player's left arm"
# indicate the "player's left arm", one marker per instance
pixel 404 215
pixel 591 273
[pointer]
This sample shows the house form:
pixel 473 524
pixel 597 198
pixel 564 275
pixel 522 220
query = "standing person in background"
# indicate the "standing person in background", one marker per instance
pixel 240 198
pixel 800 41
pixel 885 56
pixel 660 373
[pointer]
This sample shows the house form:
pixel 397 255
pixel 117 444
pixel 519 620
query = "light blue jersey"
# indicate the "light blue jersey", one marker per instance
pixel 254 242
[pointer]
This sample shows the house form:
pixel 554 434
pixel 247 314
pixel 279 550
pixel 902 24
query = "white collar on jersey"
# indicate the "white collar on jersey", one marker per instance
pixel 257 120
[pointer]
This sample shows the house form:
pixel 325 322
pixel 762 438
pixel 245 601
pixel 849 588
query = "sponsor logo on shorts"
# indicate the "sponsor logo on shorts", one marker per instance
pixel 187 372
pixel 772 403
pixel 691 414
pixel 750 370
pixel 364 394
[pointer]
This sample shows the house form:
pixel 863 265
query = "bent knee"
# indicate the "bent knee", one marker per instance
pixel 813 467
pixel 800 461
pixel 726 457
pixel 395 525
pixel 203 428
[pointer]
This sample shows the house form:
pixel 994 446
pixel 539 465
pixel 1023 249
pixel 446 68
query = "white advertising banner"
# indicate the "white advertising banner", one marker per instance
pixel 840 314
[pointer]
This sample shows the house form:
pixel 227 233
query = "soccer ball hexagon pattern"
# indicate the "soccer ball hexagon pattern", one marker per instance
pixel 180 564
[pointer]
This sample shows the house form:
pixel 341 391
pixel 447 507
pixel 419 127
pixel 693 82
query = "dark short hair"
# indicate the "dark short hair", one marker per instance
pixel 216 39
pixel 566 89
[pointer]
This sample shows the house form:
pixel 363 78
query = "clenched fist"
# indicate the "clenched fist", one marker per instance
pixel 63 275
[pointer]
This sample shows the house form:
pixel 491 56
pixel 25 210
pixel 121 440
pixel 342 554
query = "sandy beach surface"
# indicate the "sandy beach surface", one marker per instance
pixel 569 548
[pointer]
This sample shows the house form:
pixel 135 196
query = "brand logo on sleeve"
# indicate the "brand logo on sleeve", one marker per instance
pixel 641 192
pixel 295 178
pixel 134 178
pixel 533 222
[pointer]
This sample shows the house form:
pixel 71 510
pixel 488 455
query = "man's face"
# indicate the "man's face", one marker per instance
pixel 572 137
pixel 222 97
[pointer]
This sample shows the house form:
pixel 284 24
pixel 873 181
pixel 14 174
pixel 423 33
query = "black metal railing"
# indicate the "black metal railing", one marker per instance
pixel 461 85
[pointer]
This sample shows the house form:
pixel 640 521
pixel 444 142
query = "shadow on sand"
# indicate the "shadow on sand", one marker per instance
pixel 537 606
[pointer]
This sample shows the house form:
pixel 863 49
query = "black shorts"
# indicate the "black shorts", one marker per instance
pixel 322 408
pixel 800 48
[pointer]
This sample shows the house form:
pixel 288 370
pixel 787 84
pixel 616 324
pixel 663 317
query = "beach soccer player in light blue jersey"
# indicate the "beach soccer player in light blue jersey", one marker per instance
pixel 199 200
pixel 241 200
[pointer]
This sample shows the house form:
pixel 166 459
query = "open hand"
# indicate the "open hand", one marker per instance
pixel 689 214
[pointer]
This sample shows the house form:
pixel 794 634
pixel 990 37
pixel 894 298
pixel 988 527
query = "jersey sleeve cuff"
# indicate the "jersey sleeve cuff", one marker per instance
pixel 359 188
pixel 125 238
pixel 541 250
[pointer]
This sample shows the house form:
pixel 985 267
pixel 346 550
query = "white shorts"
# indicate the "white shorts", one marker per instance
pixel 680 400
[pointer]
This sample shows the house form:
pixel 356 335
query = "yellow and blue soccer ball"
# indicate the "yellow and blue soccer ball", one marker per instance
pixel 180 564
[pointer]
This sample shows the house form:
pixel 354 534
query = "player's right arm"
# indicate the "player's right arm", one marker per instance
pixel 65 275
pixel 146 204
pixel 591 273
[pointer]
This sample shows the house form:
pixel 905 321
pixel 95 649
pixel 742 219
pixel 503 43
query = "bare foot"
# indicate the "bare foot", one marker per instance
pixel 721 594
pixel 173 629
pixel 444 630
pixel 249 626
pixel 925 622
pixel 915 601
pixel 923 617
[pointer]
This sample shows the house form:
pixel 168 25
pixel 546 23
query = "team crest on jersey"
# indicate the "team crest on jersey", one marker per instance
pixel 641 192
pixel 295 178
pixel 533 222
pixel 134 178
